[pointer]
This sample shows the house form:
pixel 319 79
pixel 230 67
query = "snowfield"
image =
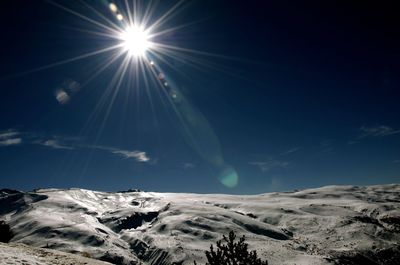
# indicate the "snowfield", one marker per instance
pixel 20 254
pixel 328 225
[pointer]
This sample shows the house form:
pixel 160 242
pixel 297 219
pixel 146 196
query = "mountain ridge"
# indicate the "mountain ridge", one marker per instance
pixel 326 225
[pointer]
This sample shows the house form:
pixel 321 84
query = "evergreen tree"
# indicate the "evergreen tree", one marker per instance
pixel 229 252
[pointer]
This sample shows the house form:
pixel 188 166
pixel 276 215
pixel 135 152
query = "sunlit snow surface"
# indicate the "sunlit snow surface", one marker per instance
pixel 20 254
pixel 329 225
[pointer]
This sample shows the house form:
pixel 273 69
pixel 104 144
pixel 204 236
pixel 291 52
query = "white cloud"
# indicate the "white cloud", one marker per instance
pixel 8 134
pixel 11 141
pixel 270 164
pixel 377 131
pixel 56 145
pixel 137 155
pixel 10 137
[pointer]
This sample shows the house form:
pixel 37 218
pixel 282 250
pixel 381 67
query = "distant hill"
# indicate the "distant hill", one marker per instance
pixel 328 225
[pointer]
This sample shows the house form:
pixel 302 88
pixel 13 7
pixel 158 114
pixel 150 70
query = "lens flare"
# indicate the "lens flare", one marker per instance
pixel 135 40
pixel 120 17
pixel 140 43
pixel 229 177
pixel 113 7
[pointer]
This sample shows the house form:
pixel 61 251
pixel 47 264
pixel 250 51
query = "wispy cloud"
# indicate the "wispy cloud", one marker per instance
pixel 56 144
pixel 11 141
pixel 139 156
pixel 10 137
pixel 396 161
pixel 377 131
pixel 8 134
pixel 291 151
pixel 71 144
pixel 269 164
pixel 13 137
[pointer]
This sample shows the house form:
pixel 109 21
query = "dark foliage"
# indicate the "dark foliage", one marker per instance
pixel 232 253
pixel 5 232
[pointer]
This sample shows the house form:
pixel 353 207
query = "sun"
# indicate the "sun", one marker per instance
pixel 135 40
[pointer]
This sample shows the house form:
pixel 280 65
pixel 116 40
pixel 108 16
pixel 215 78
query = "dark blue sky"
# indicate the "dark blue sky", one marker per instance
pixel 296 94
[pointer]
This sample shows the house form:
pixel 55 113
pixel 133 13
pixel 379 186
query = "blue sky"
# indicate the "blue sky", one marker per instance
pixel 284 95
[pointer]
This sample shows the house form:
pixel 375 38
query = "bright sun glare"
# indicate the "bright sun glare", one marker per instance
pixel 135 40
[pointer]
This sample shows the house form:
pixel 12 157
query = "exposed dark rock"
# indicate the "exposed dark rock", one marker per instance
pixel 5 192
pixel 367 220
pixel 389 256
pixel 5 232
pixel 136 220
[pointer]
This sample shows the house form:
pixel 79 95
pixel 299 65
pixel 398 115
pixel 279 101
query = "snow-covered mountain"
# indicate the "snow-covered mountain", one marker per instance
pixel 329 225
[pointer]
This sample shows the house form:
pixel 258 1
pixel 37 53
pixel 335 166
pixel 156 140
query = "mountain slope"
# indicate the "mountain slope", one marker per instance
pixel 20 254
pixel 329 225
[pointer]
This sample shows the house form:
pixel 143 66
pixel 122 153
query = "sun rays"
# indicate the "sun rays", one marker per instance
pixel 135 40
pixel 140 58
